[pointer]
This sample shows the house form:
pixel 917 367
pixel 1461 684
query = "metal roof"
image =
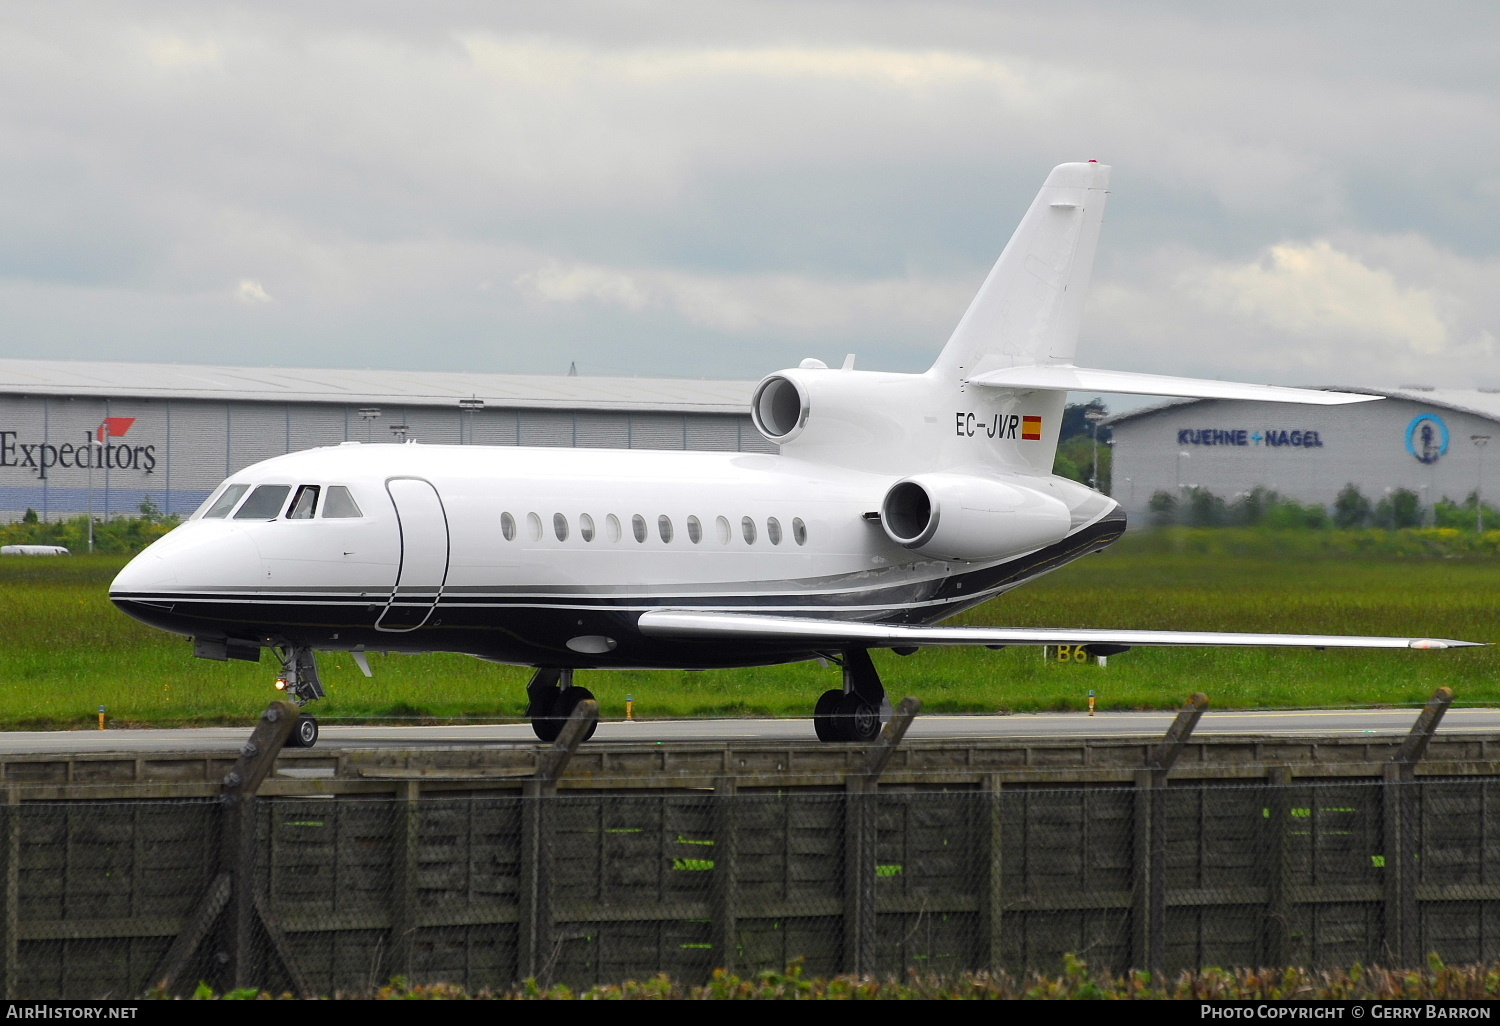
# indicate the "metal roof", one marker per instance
pixel 414 388
pixel 1482 402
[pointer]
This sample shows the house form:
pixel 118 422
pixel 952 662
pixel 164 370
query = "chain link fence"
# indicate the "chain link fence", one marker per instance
pixel 336 895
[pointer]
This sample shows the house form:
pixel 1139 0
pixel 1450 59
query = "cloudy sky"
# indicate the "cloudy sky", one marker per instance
pixel 1302 192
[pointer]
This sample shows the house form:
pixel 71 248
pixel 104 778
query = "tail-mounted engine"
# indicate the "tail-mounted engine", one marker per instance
pixel 971 518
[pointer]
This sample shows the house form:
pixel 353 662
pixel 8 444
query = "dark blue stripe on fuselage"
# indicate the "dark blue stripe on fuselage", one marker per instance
pixel 534 629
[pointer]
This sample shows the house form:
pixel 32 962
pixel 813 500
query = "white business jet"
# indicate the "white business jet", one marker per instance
pixel 897 500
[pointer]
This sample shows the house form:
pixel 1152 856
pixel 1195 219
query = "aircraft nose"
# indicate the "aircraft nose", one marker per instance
pixel 147 572
pixel 194 556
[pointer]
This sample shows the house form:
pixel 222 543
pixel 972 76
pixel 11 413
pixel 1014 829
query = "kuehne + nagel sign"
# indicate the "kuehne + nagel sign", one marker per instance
pixel 1275 438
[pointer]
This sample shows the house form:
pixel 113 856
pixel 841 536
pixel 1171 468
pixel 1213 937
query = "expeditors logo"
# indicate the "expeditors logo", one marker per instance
pixel 95 452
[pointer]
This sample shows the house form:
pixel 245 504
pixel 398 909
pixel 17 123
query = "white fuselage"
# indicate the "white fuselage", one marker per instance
pixel 547 556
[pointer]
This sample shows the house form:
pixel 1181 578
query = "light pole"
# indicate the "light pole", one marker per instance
pixel 95 446
pixel 1094 415
pixel 399 430
pixel 1479 443
pixel 368 415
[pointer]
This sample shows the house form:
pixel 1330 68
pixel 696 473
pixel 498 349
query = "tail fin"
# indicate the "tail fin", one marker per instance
pixel 1027 312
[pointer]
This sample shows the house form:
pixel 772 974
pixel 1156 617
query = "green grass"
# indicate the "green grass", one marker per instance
pixel 65 650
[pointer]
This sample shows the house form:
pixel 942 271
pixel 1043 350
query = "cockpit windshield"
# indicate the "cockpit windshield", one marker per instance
pixel 264 503
pixel 226 502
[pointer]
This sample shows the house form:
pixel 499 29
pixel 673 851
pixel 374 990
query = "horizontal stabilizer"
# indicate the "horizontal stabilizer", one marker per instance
pixel 708 625
pixel 1085 379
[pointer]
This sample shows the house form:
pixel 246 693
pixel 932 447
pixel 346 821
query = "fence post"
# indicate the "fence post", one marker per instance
pixel 234 885
pixel 1395 855
pixel 1149 914
pixel 725 879
pixel 10 920
pixel 992 901
pixel 861 830
pixel 404 891
pixel 535 951
pixel 1278 869
pixel 1401 815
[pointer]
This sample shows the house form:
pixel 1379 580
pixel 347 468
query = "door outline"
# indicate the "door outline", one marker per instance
pixel 380 624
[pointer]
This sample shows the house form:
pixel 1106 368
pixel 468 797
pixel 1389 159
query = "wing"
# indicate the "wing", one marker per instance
pixel 1085 379
pixel 705 626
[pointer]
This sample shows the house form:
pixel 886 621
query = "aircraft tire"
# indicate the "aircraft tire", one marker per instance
pixel 304 732
pixel 858 720
pixel 824 721
pixel 567 701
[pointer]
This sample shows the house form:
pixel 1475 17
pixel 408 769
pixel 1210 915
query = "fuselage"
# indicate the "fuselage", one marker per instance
pixel 547 557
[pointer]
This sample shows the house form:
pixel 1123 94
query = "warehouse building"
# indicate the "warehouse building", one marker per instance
pixel 76 436
pixel 1434 442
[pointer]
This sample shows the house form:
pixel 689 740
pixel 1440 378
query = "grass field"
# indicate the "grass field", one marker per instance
pixel 65 650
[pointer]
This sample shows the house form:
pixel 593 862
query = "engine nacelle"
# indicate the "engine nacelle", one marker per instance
pixel 971 518
pixel 780 407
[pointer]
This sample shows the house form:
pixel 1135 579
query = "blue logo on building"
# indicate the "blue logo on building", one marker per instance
pixel 1427 437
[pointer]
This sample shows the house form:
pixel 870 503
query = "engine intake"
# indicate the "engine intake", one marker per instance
pixel 971 518
pixel 779 408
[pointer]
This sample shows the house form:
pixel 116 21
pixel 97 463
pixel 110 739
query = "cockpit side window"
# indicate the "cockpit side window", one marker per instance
pixel 339 504
pixel 264 503
pixel 305 503
pixel 226 502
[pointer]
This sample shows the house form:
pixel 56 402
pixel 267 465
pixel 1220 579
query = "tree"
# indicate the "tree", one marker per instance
pixel 1163 507
pixel 1400 508
pixel 1350 508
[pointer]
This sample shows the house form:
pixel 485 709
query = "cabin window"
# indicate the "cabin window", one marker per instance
pixel 339 504
pixel 534 526
pixel 304 504
pixel 560 526
pixel 264 503
pixel 507 526
pixel 638 527
pixel 799 531
pixel 695 530
pixel 226 501
pixel 773 530
pixel 612 527
pixel 721 528
pixel 747 528
pixel 664 527
pixel 585 527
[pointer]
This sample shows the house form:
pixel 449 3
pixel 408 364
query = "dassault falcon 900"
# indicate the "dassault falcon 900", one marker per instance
pixel 896 501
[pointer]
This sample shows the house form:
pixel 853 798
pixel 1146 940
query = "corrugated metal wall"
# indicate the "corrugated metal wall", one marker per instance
pixel 187 447
pixel 1363 444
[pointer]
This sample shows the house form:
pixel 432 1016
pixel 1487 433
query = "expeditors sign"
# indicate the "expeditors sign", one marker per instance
pixel 1273 437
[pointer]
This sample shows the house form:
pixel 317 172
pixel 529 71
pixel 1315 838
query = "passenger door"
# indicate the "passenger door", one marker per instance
pixel 423 524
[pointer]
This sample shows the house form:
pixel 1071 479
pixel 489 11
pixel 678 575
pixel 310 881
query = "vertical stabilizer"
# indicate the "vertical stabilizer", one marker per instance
pixel 1028 310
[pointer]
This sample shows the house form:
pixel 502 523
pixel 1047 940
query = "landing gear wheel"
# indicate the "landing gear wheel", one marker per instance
pixel 304 733
pixel 542 694
pixel 566 702
pixel 823 715
pixel 858 720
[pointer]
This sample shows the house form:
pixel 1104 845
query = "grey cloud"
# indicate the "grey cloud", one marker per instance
pixel 371 166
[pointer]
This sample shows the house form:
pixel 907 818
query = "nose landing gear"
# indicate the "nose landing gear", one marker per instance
pixel 299 679
pixel 552 699
pixel 855 713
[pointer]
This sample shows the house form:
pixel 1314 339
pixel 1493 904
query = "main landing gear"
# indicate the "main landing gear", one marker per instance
pixel 553 697
pixel 855 713
pixel 299 679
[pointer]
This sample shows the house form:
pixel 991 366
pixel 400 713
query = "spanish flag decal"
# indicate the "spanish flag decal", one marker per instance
pixel 1031 429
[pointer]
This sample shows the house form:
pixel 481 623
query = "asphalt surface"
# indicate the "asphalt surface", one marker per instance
pixel 1298 722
